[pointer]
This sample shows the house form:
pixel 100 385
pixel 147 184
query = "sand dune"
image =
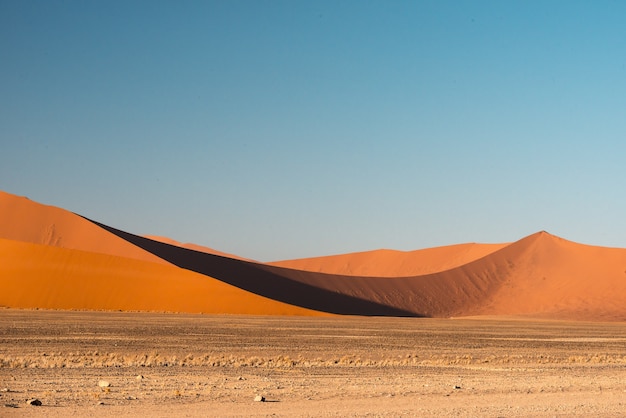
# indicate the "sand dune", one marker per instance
pixel 51 258
pixel 28 221
pixel 272 282
pixel 556 278
pixel 476 288
pixel 392 263
pixel 40 276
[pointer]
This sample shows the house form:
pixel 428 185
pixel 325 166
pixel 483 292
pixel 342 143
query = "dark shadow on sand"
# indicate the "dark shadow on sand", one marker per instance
pixel 268 281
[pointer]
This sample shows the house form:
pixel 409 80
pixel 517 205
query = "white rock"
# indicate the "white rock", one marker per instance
pixel 104 384
pixel 259 398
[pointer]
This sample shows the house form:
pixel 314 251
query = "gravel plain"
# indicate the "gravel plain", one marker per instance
pixel 148 364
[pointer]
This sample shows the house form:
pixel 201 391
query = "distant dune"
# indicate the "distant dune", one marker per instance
pixel 52 258
pixel 191 246
pixel 392 263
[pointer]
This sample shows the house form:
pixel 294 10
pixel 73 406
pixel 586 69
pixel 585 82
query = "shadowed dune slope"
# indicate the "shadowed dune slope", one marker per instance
pixel 28 221
pixel 501 283
pixel 40 276
pixel 391 263
pixel 267 281
pixel 454 292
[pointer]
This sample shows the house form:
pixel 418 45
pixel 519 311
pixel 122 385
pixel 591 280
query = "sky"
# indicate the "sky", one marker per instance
pixel 289 129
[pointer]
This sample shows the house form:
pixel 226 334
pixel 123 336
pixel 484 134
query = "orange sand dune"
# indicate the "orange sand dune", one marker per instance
pixel 540 275
pixel 55 259
pixel 556 278
pixel 264 280
pixel 40 276
pixel 391 263
pixel 28 221
pixel 497 284
pixel 192 246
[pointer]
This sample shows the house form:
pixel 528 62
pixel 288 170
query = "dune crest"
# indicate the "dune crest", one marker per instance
pixel 29 221
pixel 194 247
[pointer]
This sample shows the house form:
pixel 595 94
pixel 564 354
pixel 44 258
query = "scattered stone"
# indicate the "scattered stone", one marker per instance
pixel 241 378
pixel 100 403
pixel 104 384
pixel 457 387
pixel 34 402
pixel 259 398
pixel 139 377
pixel 5 390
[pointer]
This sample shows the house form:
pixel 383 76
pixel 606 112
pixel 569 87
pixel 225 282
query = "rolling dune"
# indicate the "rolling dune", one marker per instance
pixel 295 287
pixel 480 287
pixel 51 258
pixel 392 263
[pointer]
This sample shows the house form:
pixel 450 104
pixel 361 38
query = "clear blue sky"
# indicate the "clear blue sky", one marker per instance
pixel 284 129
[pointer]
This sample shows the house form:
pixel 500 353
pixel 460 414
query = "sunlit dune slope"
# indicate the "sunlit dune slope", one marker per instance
pixel 39 276
pixel 192 246
pixel 391 263
pixel 28 221
pixel 556 278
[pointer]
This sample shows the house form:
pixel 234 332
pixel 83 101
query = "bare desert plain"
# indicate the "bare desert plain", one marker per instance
pixel 215 365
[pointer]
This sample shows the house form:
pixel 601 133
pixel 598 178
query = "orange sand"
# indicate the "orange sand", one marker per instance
pixel 39 276
pixel 28 221
pixel 391 263
pixel 556 278
pixel 51 258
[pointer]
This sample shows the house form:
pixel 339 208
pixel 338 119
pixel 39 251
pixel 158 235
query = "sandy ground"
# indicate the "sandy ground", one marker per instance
pixel 195 365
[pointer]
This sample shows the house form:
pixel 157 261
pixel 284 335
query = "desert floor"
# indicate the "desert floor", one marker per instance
pixel 195 365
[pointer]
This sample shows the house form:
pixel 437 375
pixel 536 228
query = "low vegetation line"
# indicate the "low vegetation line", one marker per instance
pixel 104 360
